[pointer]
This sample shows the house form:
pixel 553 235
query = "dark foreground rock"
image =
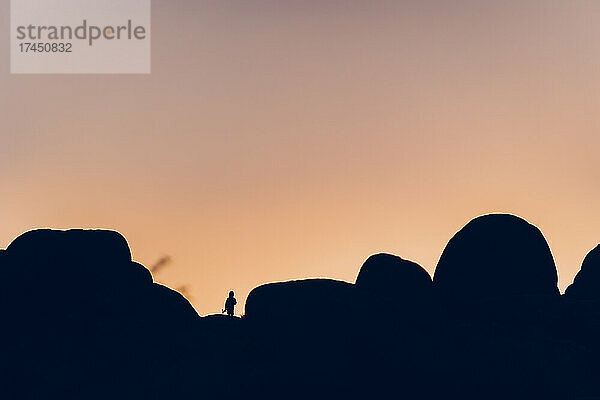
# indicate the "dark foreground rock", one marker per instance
pixel 81 320
pixel 493 257
pixel 586 285
pixel 386 275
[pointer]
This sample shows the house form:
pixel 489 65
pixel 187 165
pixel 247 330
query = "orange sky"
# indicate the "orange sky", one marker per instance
pixel 290 139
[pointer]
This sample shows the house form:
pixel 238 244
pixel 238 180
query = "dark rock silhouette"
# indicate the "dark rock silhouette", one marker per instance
pixel 298 299
pixel 80 314
pixel 82 320
pixel 386 275
pixel 496 256
pixel 581 325
pixel 497 282
pixel 586 285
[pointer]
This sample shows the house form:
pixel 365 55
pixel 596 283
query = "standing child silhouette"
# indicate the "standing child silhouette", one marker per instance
pixel 230 304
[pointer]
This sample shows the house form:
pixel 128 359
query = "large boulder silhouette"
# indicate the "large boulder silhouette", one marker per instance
pixel 394 330
pixel 305 326
pixel 81 319
pixel 581 322
pixel 308 298
pixel 496 256
pixel 586 285
pixel 79 313
pixel 389 275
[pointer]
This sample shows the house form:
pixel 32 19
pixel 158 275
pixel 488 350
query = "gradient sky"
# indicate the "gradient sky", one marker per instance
pixel 291 139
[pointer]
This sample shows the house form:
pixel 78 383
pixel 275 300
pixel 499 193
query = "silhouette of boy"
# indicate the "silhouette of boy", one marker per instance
pixel 230 304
